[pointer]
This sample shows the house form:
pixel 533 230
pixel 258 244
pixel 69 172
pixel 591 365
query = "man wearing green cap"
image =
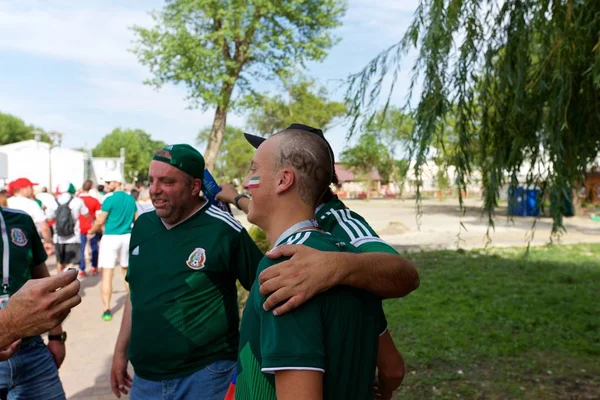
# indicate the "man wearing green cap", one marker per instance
pixel 180 322
pixel 117 216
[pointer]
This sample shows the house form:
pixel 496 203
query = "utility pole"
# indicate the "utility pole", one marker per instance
pixel 55 141
pixel 122 157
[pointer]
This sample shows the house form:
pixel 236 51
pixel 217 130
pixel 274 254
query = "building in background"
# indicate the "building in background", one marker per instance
pixel 354 185
pixel 103 166
pixel 48 165
pixel 43 164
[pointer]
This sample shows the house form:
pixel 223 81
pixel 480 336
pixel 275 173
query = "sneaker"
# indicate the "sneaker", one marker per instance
pixel 94 271
pixel 107 316
pixel 81 274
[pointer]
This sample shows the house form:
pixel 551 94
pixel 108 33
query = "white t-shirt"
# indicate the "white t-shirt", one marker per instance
pixel 29 206
pixel 78 208
pixel 48 201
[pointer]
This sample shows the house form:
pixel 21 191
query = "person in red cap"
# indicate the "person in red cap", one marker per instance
pixel 22 190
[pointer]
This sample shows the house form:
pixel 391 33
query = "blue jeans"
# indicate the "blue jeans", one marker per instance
pixel 31 374
pixel 209 383
pixel 93 248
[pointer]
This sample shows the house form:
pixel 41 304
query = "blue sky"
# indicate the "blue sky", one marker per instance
pixel 65 66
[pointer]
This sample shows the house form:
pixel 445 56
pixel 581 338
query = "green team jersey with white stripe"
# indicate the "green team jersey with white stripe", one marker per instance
pixel 335 218
pixel 183 291
pixel 336 333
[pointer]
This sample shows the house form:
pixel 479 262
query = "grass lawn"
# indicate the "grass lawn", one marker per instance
pixel 498 325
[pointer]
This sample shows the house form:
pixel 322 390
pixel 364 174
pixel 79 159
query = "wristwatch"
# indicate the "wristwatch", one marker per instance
pixel 237 199
pixel 62 337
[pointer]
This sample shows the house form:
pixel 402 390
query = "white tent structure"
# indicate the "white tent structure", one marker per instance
pixel 43 164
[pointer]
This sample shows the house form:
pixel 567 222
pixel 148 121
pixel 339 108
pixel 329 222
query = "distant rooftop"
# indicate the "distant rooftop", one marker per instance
pixel 346 175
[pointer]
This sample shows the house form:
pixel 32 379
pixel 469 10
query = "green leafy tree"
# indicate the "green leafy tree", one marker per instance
pixel 392 128
pixel 14 129
pixel 220 48
pixel 367 154
pixel 520 77
pixel 304 102
pixel 235 154
pixel 139 149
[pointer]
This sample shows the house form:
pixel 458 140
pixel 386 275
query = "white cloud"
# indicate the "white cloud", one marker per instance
pixel 385 19
pixel 94 37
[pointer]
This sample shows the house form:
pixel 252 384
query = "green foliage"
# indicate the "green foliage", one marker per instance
pixel 504 321
pixel 520 78
pixel 392 128
pixel 368 153
pixel 304 103
pixel 215 46
pixel 139 149
pixel 13 129
pixel 260 238
pixel 235 154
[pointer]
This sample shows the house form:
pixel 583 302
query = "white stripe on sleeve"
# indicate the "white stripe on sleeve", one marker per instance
pixel 273 370
pixel 222 218
pixel 343 225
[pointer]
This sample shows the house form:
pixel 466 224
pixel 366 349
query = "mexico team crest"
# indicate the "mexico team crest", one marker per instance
pixel 18 237
pixel 197 258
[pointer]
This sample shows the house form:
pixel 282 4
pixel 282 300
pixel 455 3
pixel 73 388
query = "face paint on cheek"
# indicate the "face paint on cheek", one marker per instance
pixel 254 182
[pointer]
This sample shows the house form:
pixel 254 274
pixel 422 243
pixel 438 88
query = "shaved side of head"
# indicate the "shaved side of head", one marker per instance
pixel 309 156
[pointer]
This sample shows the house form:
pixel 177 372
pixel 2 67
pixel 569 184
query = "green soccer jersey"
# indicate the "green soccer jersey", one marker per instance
pixel 334 217
pixel 121 209
pixel 336 333
pixel 25 248
pixel 183 291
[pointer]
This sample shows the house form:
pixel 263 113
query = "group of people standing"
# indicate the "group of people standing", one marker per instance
pixel 74 220
pixel 313 326
pixel 35 226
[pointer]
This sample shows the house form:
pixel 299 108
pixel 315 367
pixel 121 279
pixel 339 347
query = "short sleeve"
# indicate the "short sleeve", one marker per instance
pixel 294 340
pixel 106 205
pixel 376 246
pixel 83 210
pixel 244 259
pixel 38 253
pixel 37 213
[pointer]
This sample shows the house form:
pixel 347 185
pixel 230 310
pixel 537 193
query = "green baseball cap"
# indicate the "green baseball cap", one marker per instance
pixel 183 157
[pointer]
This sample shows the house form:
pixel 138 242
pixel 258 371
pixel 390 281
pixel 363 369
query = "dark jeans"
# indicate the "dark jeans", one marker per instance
pixel 31 374
pixel 93 247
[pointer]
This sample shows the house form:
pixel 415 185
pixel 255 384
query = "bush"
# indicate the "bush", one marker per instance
pixel 259 237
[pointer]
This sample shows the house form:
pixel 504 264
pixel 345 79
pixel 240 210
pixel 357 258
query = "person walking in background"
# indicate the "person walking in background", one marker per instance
pixel 85 224
pixel 48 204
pixel 117 216
pixel 67 228
pixel 142 207
pixel 22 190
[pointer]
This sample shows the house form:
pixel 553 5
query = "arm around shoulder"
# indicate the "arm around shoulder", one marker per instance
pixel 385 274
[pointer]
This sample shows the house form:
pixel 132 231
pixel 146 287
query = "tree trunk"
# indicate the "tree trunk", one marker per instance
pixel 216 138
pixel 576 200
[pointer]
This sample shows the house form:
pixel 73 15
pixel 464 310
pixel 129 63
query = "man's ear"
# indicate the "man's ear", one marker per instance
pixel 285 180
pixel 196 187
